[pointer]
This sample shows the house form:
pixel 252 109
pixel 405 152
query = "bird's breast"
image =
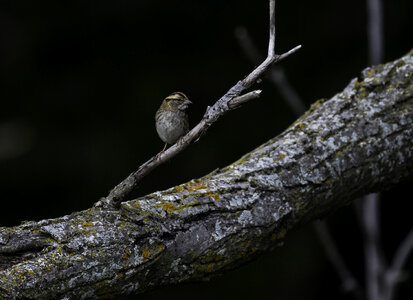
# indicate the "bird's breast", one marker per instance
pixel 171 125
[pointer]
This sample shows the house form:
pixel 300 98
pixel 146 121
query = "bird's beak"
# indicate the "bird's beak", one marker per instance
pixel 184 105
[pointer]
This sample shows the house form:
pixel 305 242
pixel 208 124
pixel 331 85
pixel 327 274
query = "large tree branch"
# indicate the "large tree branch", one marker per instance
pixel 360 140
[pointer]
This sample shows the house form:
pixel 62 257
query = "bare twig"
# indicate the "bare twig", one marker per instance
pixel 374 262
pixel 349 283
pixel 238 101
pixel 271 42
pixel 276 73
pixel 119 192
pixel 257 73
pixel 375 31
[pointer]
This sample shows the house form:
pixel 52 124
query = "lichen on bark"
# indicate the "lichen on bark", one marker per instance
pixel 359 141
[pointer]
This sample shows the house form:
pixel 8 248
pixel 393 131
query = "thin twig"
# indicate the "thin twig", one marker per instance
pixel 271 42
pixel 374 261
pixel 375 31
pixel 276 73
pixel 238 101
pixel 119 192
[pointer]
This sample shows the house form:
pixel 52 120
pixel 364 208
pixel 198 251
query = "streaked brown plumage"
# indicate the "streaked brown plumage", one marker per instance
pixel 171 119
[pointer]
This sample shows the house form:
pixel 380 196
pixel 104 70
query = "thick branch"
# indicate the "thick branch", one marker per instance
pixel 359 141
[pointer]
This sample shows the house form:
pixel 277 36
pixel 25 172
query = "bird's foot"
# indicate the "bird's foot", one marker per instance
pixel 162 151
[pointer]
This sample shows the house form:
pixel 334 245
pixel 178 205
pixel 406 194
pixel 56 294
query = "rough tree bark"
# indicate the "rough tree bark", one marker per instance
pixel 359 141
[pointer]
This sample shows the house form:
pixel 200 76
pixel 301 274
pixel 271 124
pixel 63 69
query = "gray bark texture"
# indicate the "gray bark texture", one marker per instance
pixel 359 141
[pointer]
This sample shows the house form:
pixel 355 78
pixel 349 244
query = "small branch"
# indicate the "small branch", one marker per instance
pixel 375 31
pixel 349 283
pixel 288 53
pixel 271 42
pixel 238 101
pixel 374 263
pixel 119 192
pixel 276 74
pixel 257 73
pixel 271 57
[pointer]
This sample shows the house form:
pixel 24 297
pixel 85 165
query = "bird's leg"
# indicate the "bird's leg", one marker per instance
pixel 163 150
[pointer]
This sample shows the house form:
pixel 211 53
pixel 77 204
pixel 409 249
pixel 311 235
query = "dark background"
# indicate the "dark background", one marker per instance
pixel 80 82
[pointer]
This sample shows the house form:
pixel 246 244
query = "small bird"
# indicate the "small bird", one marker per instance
pixel 171 119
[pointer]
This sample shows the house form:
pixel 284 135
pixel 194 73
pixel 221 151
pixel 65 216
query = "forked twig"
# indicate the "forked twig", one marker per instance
pixel 276 73
pixel 222 106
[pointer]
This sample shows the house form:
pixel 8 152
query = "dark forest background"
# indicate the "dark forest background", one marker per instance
pixel 80 82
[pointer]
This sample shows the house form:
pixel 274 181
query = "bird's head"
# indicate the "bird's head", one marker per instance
pixel 176 101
